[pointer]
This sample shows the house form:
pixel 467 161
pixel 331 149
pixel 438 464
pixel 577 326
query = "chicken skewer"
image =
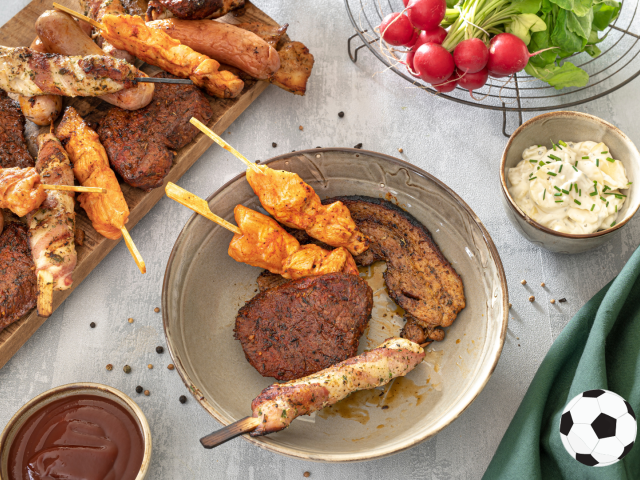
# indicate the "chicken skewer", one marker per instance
pixel 261 242
pixel 108 213
pixel 279 404
pixel 21 190
pixel 130 33
pixel 30 73
pixel 295 204
pixel 52 227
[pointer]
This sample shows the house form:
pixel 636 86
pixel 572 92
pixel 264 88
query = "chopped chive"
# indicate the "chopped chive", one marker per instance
pixel 532 178
pixel 619 197
pixel 557 188
pixel 629 183
pixel 576 164
pixel 592 207
pixel 603 199
pixel 576 201
pixel 607 204
pixel 547 163
pixel 533 161
pixel 565 191
pixel 606 187
pixel 580 192
pixel 593 194
pixel 557 194
pixel 611 160
pixel 538 168
pixel 553 157
pixel 576 185
pixel 541 163
pixel 616 208
pixel 552 174
pixel 544 194
pixel 539 146
pixel 562 143
pixel 597 162
pixel 559 201
pixel 612 224
pixel 560 169
pixel 585 158
pixel 574 167
pixel 604 153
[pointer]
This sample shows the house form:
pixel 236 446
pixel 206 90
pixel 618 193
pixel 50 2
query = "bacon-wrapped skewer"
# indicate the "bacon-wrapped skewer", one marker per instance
pixel 30 73
pixel 295 204
pixel 279 404
pixel 52 226
pixel 260 241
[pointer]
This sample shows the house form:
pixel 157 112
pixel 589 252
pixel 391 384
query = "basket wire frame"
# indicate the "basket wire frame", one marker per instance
pixel 615 67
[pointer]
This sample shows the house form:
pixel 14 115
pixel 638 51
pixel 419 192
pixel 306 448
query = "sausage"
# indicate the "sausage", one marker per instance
pixel 42 109
pixel 96 9
pixel 108 212
pixel 59 33
pixel 225 43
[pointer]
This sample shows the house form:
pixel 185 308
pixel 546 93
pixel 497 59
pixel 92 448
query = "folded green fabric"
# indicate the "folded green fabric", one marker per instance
pixel 598 349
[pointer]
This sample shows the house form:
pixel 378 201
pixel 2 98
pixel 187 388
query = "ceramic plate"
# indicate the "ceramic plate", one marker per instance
pixel 204 288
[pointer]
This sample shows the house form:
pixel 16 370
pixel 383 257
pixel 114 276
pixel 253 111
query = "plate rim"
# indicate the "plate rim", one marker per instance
pixel 358 457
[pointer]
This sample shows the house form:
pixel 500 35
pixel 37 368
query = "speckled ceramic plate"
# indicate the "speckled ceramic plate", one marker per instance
pixel 204 288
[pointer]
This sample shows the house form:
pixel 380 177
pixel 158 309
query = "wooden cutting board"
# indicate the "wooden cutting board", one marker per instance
pixel 20 31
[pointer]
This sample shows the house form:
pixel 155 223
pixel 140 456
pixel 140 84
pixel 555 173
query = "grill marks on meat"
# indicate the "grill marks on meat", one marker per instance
pixel 191 9
pixel 139 142
pixel 17 274
pixel 13 147
pixel 304 326
pixel 28 72
pixel 418 276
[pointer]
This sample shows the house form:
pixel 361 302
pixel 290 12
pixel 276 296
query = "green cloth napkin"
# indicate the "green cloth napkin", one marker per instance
pixel 599 348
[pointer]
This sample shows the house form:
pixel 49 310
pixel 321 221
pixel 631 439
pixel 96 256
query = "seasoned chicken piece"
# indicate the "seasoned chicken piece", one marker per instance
pixel 21 190
pixel 312 260
pixel 157 48
pixel 296 64
pixel 108 212
pixel 52 226
pixel 279 404
pixel 190 9
pixel 294 203
pixel 13 146
pixel 29 73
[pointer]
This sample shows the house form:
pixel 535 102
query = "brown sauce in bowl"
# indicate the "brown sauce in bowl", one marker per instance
pixel 82 437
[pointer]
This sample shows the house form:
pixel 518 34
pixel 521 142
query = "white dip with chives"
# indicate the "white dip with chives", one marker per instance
pixel 574 188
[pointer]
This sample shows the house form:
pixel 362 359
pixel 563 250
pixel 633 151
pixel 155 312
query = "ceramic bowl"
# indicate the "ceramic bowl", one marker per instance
pixel 204 288
pixel 574 127
pixel 70 390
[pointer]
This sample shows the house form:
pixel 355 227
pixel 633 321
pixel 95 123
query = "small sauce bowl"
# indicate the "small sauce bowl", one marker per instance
pixel 64 391
pixel 570 127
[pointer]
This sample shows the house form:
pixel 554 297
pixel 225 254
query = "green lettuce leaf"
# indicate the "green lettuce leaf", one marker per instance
pixel 568 75
pixel 604 13
pixel 522 25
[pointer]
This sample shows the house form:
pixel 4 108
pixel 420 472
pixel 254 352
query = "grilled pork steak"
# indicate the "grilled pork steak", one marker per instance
pixel 305 325
pixel 13 147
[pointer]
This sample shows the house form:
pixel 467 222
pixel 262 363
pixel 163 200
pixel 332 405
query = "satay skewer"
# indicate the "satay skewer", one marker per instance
pixel 45 293
pixel 231 431
pixel 79 16
pixel 133 250
pixel 74 188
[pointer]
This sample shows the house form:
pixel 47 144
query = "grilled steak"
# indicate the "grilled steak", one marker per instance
pixel 418 276
pixel 139 142
pixel 192 9
pixel 305 325
pixel 17 274
pixel 267 280
pixel 13 147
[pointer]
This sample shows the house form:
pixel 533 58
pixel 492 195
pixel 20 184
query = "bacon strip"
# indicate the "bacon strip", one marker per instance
pixel 279 404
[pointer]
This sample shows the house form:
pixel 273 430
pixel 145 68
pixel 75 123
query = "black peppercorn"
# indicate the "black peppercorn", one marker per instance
pixel 562 300
pixel 126 369
pixel 159 349
pixel 359 145
pixel 183 399
pixel 92 325
pixel 341 114
pixel 274 144
pixel 138 389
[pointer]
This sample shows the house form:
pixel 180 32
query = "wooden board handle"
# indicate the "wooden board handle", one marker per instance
pixel 245 425
pixel 198 205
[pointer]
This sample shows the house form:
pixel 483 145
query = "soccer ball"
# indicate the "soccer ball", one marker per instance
pixel 598 428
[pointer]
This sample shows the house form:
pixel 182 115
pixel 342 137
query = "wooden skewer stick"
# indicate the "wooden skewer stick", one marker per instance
pixel 45 293
pixel 216 138
pixel 75 188
pixel 134 250
pixel 73 13
pixel 198 205
pixel 246 425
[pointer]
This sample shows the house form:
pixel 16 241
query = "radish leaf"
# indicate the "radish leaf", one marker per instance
pixel 568 75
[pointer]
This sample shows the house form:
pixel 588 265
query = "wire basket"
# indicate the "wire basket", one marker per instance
pixel 617 65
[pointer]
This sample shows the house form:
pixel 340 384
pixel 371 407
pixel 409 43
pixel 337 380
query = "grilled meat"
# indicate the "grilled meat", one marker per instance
pixel 155 47
pixel 296 63
pixel 305 325
pixel 13 147
pixel 139 143
pixel 21 190
pixel 52 226
pixel 418 276
pixel 267 280
pixel 191 9
pixel 295 204
pixel 29 73
pixel 17 274
pixel 279 404
pixel 96 9
pixel 108 212
pixel 270 34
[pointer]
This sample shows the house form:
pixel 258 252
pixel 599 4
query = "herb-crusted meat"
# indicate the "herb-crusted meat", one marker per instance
pixel 305 325
pixel 13 147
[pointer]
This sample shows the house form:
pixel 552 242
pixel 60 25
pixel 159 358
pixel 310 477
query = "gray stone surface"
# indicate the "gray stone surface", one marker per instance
pixel 459 145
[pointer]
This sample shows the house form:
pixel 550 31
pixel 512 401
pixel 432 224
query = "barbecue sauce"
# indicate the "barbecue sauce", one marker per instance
pixel 83 437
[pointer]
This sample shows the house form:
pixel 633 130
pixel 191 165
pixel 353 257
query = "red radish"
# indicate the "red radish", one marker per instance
pixel 426 14
pixel 405 3
pixel 414 39
pixel 437 35
pixel 471 55
pixel 408 61
pixel 473 81
pixel 448 85
pixel 507 55
pixel 433 63
pixel 397 32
